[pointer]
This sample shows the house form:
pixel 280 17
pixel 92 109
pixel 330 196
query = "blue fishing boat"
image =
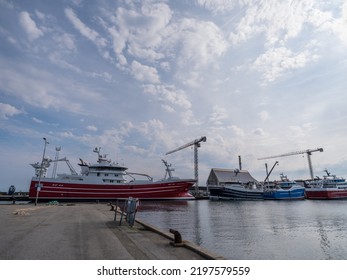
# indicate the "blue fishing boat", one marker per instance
pixel 283 190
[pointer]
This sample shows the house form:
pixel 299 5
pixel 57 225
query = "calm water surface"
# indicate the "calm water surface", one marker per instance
pixel 255 230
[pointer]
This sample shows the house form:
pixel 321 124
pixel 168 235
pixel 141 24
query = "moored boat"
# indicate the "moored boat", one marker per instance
pixel 329 187
pixel 232 184
pixel 237 191
pixel 277 190
pixel 105 180
pixel 284 190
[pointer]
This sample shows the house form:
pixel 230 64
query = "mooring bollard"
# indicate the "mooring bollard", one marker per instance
pixel 177 238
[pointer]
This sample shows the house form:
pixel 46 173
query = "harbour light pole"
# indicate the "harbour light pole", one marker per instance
pixel 38 187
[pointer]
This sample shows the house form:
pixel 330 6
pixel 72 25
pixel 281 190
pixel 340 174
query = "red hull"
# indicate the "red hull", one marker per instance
pixel 329 193
pixel 74 191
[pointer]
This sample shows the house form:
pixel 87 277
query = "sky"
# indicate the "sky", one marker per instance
pixel 141 78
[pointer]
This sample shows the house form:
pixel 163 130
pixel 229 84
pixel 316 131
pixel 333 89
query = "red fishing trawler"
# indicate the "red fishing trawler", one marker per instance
pixel 104 180
pixel 329 187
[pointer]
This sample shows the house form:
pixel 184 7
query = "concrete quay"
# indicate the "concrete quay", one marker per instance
pixel 85 231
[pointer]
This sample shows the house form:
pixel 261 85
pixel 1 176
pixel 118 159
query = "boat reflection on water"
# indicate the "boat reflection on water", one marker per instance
pixel 162 206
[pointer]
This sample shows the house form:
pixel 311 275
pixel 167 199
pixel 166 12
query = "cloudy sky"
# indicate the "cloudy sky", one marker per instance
pixel 140 78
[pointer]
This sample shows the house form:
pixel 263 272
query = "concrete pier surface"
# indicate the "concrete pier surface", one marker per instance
pixel 84 231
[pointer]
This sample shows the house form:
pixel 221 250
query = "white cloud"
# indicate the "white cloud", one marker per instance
pixel 196 46
pixel 37 120
pixel 217 6
pixel 218 115
pixel 153 131
pixel 264 115
pixel 238 131
pixel 340 25
pixel 66 41
pixel 199 43
pixel 40 15
pixel 140 30
pixel 136 150
pixel 40 89
pixel 57 59
pixel 279 21
pixel 188 118
pixel 68 134
pixel 7 110
pixel 168 108
pixel 275 61
pixel 169 94
pixel 300 132
pixel 148 32
pixel 92 128
pixel 105 76
pixel 193 78
pixel 144 73
pixel 282 21
pixel 43 89
pixel 87 32
pixel 147 128
pixel 29 26
pixel 122 60
pixel 259 132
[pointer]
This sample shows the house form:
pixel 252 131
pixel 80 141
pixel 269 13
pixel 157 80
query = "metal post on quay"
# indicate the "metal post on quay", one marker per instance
pixel 38 186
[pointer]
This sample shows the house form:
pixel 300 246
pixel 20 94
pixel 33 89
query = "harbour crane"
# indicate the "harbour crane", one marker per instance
pixel 308 152
pixel 196 144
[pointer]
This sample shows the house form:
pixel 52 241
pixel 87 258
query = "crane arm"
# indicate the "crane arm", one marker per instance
pixel 196 141
pixel 294 153
pixel 72 170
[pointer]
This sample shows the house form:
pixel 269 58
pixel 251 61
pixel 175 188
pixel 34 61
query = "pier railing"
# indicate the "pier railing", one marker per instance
pixel 128 210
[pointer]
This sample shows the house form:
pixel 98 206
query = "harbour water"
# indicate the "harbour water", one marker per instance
pixel 257 230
